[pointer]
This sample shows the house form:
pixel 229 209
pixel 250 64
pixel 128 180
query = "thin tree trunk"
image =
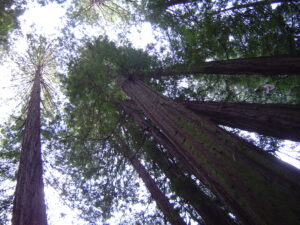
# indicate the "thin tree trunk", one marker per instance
pixel 253 4
pixel 161 200
pixel 259 188
pixel 169 3
pixel 277 120
pixel 29 204
pixel 266 65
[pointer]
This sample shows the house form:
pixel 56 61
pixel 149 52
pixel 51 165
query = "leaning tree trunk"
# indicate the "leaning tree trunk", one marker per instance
pixel 131 109
pixel 29 204
pixel 259 188
pixel 184 186
pixel 266 65
pixel 258 3
pixel 277 120
pixel 161 200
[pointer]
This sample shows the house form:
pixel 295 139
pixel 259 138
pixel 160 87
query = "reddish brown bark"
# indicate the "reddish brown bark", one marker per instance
pixel 131 108
pixel 241 175
pixel 161 200
pixel 29 204
pixel 277 120
pixel 184 186
pixel 266 65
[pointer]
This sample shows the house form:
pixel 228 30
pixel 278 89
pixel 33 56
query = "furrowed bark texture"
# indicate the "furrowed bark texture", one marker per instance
pixel 266 65
pixel 184 186
pixel 29 204
pixel 277 120
pixel 128 107
pixel 258 188
pixel 161 200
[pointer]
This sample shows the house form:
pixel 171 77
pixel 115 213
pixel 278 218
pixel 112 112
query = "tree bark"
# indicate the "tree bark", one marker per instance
pixel 253 4
pixel 265 65
pixel 169 3
pixel 276 120
pixel 161 200
pixel 155 132
pixel 184 186
pixel 29 204
pixel 259 188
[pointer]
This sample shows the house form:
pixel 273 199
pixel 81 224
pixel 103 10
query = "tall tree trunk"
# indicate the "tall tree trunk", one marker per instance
pixel 29 204
pixel 265 65
pixel 259 188
pixel 130 108
pixel 161 200
pixel 258 3
pixel 277 120
pixel 184 186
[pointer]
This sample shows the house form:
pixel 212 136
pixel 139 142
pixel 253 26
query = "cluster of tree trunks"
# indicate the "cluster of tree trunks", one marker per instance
pixel 29 204
pixel 184 186
pixel 239 173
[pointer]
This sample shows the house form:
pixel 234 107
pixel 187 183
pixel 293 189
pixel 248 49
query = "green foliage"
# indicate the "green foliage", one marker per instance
pixel 97 74
pixel 10 10
pixel 98 12
pixel 10 139
pixel 200 31
pixel 231 88
pixel 45 2
pixel 103 182
pixel 95 122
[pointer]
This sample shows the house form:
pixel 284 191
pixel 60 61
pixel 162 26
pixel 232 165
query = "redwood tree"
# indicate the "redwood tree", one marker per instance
pixel 29 204
pixel 184 186
pixel 241 175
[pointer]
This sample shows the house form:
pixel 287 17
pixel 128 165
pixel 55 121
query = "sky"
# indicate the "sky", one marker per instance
pixel 47 20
